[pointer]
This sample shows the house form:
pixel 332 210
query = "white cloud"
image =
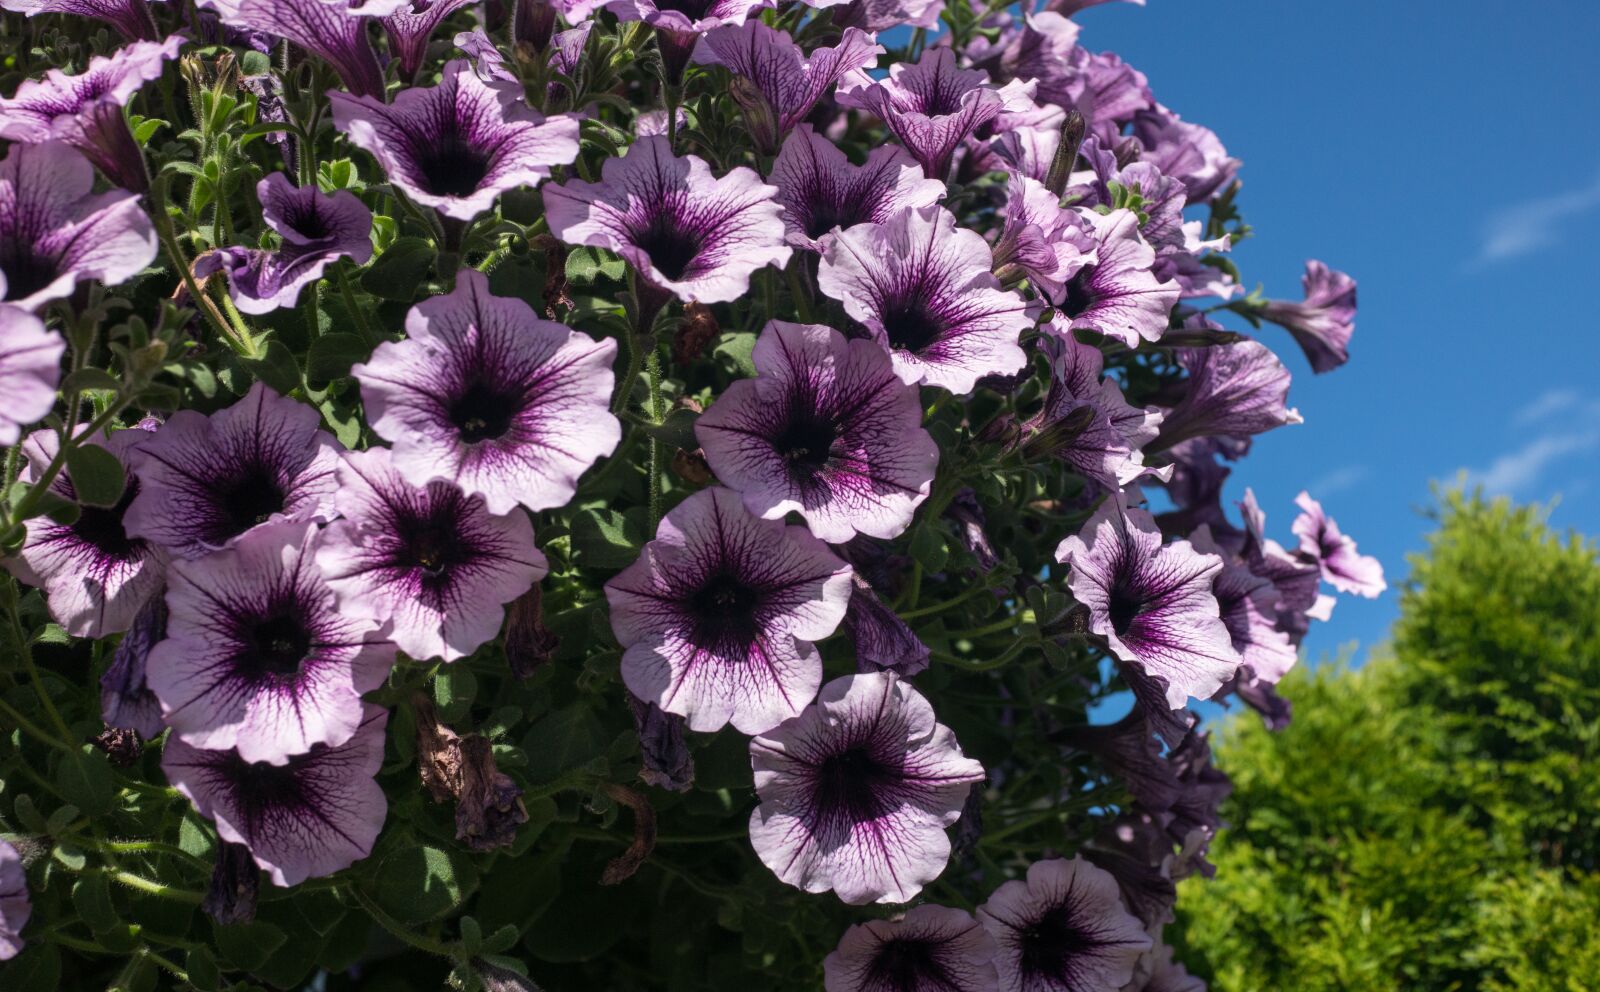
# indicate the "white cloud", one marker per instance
pixel 1338 480
pixel 1516 472
pixel 1527 227
pixel 1571 431
pixel 1548 404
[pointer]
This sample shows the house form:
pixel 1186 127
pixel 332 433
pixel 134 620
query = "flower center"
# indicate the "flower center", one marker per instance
pixel 251 499
pixel 1052 943
pixel 806 444
pixel 1080 293
pixel 482 412
pixel 909 966
pixel 724 607
pixel 829 214
pixel 433 547
pixel 692 9
pixel 278 644
pixel 671 249
pixel 451 166
pixel 1124 608
pixel 266 792
pixel 25 271
pixel 909 326
pixel 101 528
pixel 851 784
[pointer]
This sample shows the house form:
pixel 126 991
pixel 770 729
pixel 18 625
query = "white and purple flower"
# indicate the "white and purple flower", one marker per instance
pixel 1321 541
pixel 15 905
pixel 410 28
pixel 131 17
pixel 822 192
pixel 932 947
pixel 333 30
pixel 1086 422
pixel 1120 295
pixel 1324 321
pixel 1233 391
pixel 30 370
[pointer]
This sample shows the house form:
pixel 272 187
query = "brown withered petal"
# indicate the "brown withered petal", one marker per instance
pixel 662 749
pixel 489 808
pixel 122 747
pixel 498 979
pixel 438 759
pixel 622 867
pixel 691 467
pixel 529 644
pixel 695 333
pixel 235 882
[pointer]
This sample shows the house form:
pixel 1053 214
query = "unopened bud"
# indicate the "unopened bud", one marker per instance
pixel 759 119
pixel 235 883
pixel 1066 157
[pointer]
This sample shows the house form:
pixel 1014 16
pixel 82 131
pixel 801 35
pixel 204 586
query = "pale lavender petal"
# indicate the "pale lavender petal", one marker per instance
pixel 15 905
pixel 1065 929
pixel 822 192
pixel 30 369
pixel 131 17
pixel 1322 541
pixel 1120 295
pixel 932 947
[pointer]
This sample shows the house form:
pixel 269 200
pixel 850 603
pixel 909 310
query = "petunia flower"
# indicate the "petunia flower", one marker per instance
pixel 1189 153
pixel 258 656
pixel 857 790
pixel 486 58
pixel 15 905
pixel 412 27
pixel 1167 975
pixel 1151 602
pixel 826 430
pixel 931 947
pixel 486 395
pixel 430 560
pixel 126 701
pixel 333 30
pixel 881 639
pixel 1130 751
pixel 459 145
pixel 1120 295
pixel 881 15
pixel 86 110
pixel 206 481
pixel 717 616
pixel 1085 421
pixel 1248 604
pixel 822 192
pixel 680 23
pixel 1233 391
pixel 95 576
pixel 789 80
pixel 1323 323
pixel 684 231
pixel 131 17
pixel 1064 929
pixel 30 369
pixel 1043 241
pixel 315 815
pixel 922 288
pixel 1322 542
pixel 933 105
pixel 1194 817
pixel 317 229
pixel 55 232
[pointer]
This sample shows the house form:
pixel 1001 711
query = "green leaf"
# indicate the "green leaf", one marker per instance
pixel 98 478
pixel 400 270
pixel 738 348
pixel 416 884
pixel 248 946
pixel 586 265
pixel 562 741
pixel 604 538
pixel 36 969
pixel 91 897
pixel 454 690
pixel 928 546
pixel 89 378
pixel 276 367
pixel 85 779
pixel 331 356
pixel 201 965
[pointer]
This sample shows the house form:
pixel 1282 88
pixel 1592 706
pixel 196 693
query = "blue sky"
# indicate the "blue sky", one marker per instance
pixel 1446 155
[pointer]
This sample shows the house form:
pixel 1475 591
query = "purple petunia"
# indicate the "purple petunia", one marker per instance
pixel 680 23
pixel 333 30
pixel 1044 242
pixel 15 905
pixel 125 698
pixel 206 481
pixel 95 577
pixel 486 395
pixel 1120 295
pixel 825 429
pixel 717 616
pixel 131 17
pixel 1248 604
pixel 30 369
pixel 1189 153
pixel 412 27
pixel 432 561
pixel 1233 391
pixel 880 638
pixel 1151 602
pixel 317 229
pixel 317 814
pixel 55 233
pixel 1065 929
pixel 822 192
pixel 86 110
pixel 258 656
pixel 1321 541
pixel 1323 323
pixel 684 231
pixel 921 286
pixel 457 146
pixel 931 947
pixel 1085 421
pixel 857 790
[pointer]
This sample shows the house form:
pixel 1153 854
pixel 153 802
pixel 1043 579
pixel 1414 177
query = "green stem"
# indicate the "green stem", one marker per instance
pixel 342 276
pixel 619 401
pixel 999 661
pixel 399 930
pixel 169 241
pixel 33 729
pixel 653 362
pixel 974 591
pixel 33 673
pixel 149 887
pixel 1003 624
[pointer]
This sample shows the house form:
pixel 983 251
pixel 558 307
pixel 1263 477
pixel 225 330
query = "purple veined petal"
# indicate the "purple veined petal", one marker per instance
pixel 205 482
pixel 1041 47
pixel 30 370
pixel 457 146
pixel 1233 391
pixel 791 80
pixel 1322 541
pixel 126 701
pixel 685 17
pixel 931 947
pixel 922 288
pixel 1130 750
pixel 881 639
pixel 1194 819
pixel 258 656
pixel 485 395
pixel 717 616
pixel 821 192
pixel 317 814
pixel 1323 323
pixel 1064 929
pixel 333 30
pixel 1047 243
pixel 826 430
pixel 412 26
pixel 430 560
pixel 1187 152
pixel 1120 295
pixel 683 230
pixel 95 576
pixel 857 790
pixel 131 17
pixel 1248 604
pixel 86 110
pixel 1070 7
pixel 15 905
pixel 56 233
pixel 1085 421
pixel 487 59
pixel 1152 603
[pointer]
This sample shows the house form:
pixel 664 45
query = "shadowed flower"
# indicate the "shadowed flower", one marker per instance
pixel 680 23
pixel 718 614
pixel 126 701
pixel 235 884
pixel 333 30
pixel 1065 929
pixel 1322 542
pixel 206 481
pixel 880 638
pixel 30 369
pixel 1120 295
pixel 1193 819
pixel 258 655
pixel 682 230
pixel 822 192
pixel 921 287
pixel 86 110
pixel 459 145
pixel 1151 602
pixel 1323 323
pixel 1168 976
pixel 317 814
pixel 1046 243
pixel 55 233
pixel 1248 604
pixel 663 753
pixel 486 58
pixel 95 576
pixel 881 15
pixel 1085 421
pixel 1233 391
pixel 131 17
pixel 412 27
pixel 933 105
pixel 826 430
pixel 1129 749
pixel 317 229
pixel 932 947
pixel 15 906
pixel 856 792
pixel 484 394
pixel 432 561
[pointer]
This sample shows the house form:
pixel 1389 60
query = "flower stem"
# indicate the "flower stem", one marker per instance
pixel 169 241
pixel 342 273
pixel 31 728
pixel 399 930
pixel 653 363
